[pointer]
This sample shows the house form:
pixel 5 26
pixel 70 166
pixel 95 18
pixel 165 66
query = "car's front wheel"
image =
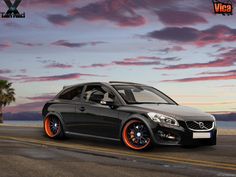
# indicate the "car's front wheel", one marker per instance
pixel 136 135
pixel 53 127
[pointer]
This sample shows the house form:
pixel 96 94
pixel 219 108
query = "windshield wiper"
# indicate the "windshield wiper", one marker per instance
pixel 166 103
pixel 149 103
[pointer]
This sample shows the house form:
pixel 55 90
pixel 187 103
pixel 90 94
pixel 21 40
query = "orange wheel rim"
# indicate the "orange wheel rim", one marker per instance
pixel 134 137
pixel 52 126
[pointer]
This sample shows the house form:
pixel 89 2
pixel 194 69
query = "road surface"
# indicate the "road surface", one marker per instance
pixel 27 152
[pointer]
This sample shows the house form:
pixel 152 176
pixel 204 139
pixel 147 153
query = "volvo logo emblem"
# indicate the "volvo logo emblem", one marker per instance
pixel 201 125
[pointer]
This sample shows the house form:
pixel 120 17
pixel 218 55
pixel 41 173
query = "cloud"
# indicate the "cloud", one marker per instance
pixel 4 45
pixel 45 61
pixel 117 12
pixel 5 71
pixel 186 35
pixel 225 59
pixel 45 4
pixel 48 2
pixel 96 65
pixel 65 43
pixel 19 76
pixel 5 78
pixel 143 61
pixel 54 64
pixel 109 10
pixel 43 97
pixel 58 19
pixel 121 12
pixel 58 65
pixel 208 78
pixel 23 70
pixel 178 18
pixel 28 44
pixel 56 77
pixel 220 75
pixel 170 49
pixel 138 61
pixel 13 25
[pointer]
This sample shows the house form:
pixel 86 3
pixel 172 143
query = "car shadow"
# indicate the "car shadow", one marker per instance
pixel 119 145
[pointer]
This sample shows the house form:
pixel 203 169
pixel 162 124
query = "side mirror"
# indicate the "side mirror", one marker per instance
pixel 107 102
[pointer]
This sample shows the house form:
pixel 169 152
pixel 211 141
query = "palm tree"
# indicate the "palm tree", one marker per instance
pixel 7 95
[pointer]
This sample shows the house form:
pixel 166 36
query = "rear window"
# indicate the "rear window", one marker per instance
pixel 72 94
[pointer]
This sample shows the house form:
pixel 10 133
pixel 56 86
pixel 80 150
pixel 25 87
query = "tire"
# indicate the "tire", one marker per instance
pixel 136 135
pixel 53 127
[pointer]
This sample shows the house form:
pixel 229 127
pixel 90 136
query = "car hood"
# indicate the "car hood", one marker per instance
pixel 176 111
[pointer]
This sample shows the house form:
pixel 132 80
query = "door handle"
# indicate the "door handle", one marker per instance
pixel 82 109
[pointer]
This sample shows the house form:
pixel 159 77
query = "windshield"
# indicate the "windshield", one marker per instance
pixel 133 94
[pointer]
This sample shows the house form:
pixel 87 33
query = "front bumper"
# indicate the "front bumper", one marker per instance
pixel 181 135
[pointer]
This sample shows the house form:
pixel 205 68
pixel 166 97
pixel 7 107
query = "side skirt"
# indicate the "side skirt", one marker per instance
pixel 91 136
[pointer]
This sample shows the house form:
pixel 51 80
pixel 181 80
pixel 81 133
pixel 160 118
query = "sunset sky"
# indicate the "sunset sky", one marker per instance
pixel 180 47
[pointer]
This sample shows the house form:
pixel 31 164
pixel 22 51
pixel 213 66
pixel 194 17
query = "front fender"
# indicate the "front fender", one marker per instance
pixel 150 124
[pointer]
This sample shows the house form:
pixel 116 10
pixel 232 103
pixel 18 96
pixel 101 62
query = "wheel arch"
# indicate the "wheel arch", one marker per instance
pixel 58 115
pixel 137 117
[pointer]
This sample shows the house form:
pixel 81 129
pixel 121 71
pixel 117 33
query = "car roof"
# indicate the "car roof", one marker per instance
pixel 112 83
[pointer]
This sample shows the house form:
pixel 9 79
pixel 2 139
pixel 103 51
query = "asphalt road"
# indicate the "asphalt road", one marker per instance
pixel 26 152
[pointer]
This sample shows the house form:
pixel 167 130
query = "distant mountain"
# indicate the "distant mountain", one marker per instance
pixel 22 116
pixel 38 116
pixel 226 117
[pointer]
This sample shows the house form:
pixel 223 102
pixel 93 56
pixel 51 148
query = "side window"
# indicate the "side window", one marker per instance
pixel 96 93
pixel 72 94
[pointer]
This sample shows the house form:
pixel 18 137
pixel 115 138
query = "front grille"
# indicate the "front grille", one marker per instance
pixel 200 125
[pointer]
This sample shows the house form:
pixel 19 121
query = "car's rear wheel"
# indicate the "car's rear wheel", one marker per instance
pixel 53 127
pixel 136 135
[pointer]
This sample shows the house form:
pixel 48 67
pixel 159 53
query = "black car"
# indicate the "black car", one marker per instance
pixel 136 114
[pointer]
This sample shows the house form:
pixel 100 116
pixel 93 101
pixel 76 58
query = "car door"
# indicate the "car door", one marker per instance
pixel 69 100
pixel 95 118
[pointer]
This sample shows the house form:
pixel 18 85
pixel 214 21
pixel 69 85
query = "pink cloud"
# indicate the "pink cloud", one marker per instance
pixel 219 72
pixel 186 35
pixel 226 59
pixel 54 64
pixel 96 65
pixel 65 43
pixel 60 20
pixel 4 45
pixel 23 70
pixel 207 78
pixel 4 78
pixel 57 77
pixel 5 71
pixel 121 12
pixel 45 4
pixel 58 65
pixel 171 49
pixel 43 97
pixel 28 44
pixel 137 61
pixel 174 17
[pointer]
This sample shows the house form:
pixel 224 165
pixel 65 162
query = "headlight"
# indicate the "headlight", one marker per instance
pixel 214 120
pixel 213 117
pixel 156 117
